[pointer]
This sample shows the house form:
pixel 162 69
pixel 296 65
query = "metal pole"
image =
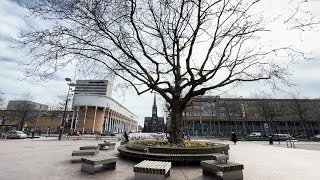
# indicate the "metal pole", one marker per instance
pixel 38 118
pixel 64 115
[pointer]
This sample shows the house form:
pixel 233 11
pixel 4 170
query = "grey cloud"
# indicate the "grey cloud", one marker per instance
pixel 6 59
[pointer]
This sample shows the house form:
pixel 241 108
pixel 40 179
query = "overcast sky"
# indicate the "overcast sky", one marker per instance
pixel 305 74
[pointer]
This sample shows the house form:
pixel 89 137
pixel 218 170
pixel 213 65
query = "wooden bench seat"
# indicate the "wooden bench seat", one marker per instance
pixel 229 170
pixel 146 170
pixel 104 145
pixel 92 164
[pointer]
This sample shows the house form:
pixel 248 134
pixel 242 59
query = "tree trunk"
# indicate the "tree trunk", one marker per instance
pixel 176 125
pixel 21 123
pixel 305 128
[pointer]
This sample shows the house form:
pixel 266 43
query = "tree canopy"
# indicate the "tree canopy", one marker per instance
pixel 178 48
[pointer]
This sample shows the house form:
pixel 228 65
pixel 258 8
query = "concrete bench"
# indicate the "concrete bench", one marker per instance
pixel 89 147
pixel 104 145
pixel 229 170
pixel 82 153
pixel 92 164
pixel 220 158
pixel 146 170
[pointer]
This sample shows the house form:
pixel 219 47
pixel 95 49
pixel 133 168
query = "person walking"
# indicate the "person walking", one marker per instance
pixel 234 138
pixel 125 135
pixel 32 135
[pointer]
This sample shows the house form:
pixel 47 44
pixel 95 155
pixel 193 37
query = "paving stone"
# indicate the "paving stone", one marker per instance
pixel 50 159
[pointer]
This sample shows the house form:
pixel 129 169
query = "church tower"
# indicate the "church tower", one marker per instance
pixel 154 108
pixel 154 123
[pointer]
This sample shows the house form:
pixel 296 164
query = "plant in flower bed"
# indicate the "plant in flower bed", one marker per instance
pixel 185 144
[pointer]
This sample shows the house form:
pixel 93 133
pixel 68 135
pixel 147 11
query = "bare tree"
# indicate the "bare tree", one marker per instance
pixel 267 109
pixel 2 100
pixel 232 110
pixel 305 110
pixel 180 49
pixel 3 114
pixel 22 109
pixel 54 112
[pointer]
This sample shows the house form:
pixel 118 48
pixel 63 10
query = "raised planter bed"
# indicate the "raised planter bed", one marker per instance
pixel 172 153
pixel 220 148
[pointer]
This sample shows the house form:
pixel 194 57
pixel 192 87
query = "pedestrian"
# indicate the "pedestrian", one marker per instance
pixel 125 135
pixel 32 135
pixel 234 138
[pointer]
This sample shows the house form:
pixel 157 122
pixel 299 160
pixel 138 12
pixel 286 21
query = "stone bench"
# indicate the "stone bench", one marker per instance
pixel 92 164
pixel 82 153
pixel 220 158
pixel 229 170
pixel 89 147
pixel 110 146
pixel 146 170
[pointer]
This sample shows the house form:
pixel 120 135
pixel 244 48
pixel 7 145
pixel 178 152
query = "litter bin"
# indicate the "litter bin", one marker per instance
pixel 270 140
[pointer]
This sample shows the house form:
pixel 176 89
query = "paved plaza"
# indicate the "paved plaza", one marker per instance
pixel 47 158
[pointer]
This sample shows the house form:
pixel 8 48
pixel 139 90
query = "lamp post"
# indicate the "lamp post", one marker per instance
pixel 63 122
pixel 166 124
pixel 243 110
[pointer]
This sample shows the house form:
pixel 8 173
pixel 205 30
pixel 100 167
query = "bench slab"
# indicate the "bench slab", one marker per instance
pixel 230 170
pixel 92 164
pixel 89 147
pixel 96 160
pixel 89 152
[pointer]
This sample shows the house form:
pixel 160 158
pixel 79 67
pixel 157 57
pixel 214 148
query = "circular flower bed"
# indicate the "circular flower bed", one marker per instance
pixel 187 147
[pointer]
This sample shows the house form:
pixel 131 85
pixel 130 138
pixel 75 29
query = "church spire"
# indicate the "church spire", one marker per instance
pixel 154 101
pixel 154 108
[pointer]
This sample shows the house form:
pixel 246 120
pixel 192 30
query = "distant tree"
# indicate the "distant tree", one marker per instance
pixel 267 108
pixel 2 100
pixel 53 113
pixel 232 110
pixel 303 109
pixel 3 113
pixel 23 110
pixel 180 49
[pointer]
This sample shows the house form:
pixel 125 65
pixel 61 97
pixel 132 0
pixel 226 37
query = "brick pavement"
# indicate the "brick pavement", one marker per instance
pixel 50 159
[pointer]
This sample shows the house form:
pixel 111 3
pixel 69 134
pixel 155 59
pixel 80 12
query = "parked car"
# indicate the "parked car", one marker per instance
pixel 74 133
pixel 255 135
pixel 16 134
pixel 108 133
pixel 317 137
pixel 282 137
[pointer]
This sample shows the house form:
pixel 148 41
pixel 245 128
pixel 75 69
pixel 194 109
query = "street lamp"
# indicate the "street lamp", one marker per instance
pixel 243 110
pixel 166 124
pixel 63 122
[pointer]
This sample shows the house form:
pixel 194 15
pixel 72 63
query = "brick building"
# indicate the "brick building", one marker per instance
pixel 214 116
